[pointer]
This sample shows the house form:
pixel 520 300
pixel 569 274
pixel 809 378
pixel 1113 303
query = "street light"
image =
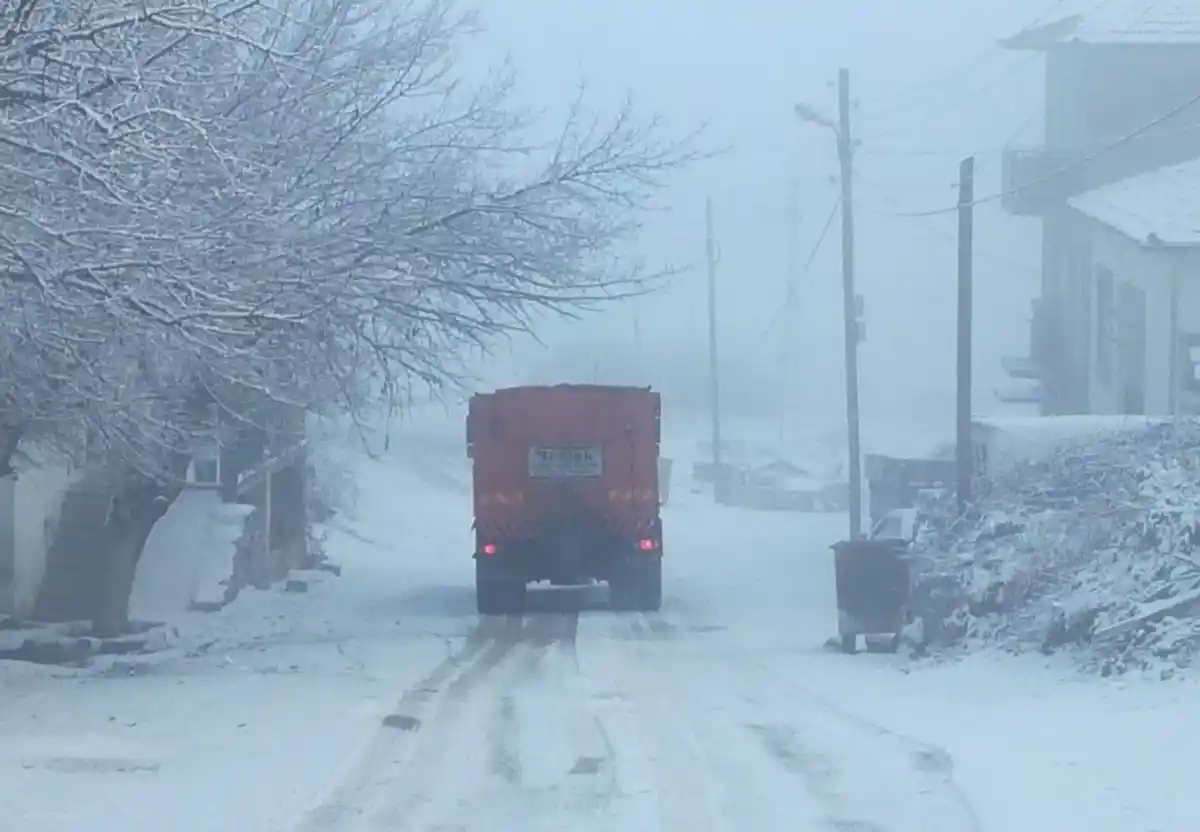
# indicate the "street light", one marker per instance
pixel 812 115
pixel 850 303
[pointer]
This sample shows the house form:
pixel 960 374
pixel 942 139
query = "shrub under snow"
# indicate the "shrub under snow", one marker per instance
pixel 1089 548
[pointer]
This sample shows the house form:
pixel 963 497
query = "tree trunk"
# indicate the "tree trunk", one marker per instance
pixel 10 440
pixel 133 515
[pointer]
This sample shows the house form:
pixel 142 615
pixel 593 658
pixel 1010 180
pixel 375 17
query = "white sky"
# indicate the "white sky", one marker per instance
pixel 930 85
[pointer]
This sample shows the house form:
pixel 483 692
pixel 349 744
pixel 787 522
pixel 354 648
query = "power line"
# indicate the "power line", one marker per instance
pixel 812 255
pixel 878 190
pixel 808 263
pixel 961 152
pixel 937 79
pixel 941 98
pixel 1128 137
pixel 947 103
pixel 956 152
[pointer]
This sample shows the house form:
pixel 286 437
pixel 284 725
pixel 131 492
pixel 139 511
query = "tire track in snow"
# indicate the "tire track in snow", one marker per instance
pixel 684 777
pixel 819 772
pixel 926 762
pixel 503 729
pixel 542 632
pixel 543 760
pixel 593 775
pixel 739 730
pixel 421 792
pixel 505 759
pixel 451 754
pixel 391 746
pixel 799 720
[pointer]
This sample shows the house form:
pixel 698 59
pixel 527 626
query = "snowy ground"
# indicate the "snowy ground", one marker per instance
pixel 379 701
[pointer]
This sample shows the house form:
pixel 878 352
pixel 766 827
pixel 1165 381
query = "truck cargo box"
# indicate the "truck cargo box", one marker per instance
pixel 565 481
pixel 547 453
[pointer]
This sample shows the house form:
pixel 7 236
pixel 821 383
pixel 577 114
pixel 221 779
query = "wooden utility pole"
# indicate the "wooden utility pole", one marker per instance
pixel 964 453
pixel 713 381
pixel 789 347
pixel 849 302
pixel 791 285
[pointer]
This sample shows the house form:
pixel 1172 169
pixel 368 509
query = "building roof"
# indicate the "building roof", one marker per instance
pixel 1161 205
pixel 1114 21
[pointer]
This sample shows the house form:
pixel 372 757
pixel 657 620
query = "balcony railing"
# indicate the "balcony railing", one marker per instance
pixel 1036 180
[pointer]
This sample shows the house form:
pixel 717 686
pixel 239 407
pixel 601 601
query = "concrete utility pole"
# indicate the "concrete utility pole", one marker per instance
pixel 851 304
pixel 966 228
pixel 710 246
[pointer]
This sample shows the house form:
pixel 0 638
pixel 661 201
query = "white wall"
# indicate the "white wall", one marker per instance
pixel 7 553
pixel 1152 270
pixel 42 482
pixel 1186 266
pixel 188 555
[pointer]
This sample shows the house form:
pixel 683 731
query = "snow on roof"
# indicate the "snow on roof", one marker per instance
pixel 1017 440
pixel 1162 203
pixel 1116 21
pixel 1066 427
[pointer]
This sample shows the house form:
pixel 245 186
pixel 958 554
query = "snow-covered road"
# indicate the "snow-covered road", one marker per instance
pixel 380 701
pixel 558 721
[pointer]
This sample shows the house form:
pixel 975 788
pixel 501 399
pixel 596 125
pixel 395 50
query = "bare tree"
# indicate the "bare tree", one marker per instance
pixel 238 201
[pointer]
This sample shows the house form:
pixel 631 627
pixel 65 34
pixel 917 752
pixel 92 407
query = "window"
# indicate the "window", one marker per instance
pixel 204 469
pixel 1106 330
pixel 1190 363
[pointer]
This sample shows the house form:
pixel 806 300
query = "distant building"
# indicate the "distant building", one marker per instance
pixel 1112 184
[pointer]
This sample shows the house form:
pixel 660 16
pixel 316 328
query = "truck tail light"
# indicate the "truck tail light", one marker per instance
pixel 488 549
pixel 647 545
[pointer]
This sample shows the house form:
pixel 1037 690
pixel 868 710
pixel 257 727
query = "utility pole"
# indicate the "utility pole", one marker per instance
pixel 966 227
pixel 793 254
pixel 849 301
pixel 789 349
pixel 714 384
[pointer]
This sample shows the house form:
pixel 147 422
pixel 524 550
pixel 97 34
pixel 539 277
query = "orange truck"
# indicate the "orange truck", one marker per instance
pixel 566 491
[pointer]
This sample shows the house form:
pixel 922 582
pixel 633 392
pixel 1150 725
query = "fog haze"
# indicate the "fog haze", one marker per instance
pixel 930 85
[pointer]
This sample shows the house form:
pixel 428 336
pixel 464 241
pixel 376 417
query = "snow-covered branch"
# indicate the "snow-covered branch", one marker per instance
pixel 289 200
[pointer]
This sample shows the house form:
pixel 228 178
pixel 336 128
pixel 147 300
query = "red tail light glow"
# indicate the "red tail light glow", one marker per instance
pixel 646 545
pixel 488 549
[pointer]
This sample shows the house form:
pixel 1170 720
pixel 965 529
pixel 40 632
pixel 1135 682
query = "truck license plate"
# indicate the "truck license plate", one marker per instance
pixel 565 462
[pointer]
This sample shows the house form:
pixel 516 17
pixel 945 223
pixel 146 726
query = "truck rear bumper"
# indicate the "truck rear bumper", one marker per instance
pixel 565 562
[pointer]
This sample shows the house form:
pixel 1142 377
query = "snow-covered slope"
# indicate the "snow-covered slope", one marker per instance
pixel 1090 546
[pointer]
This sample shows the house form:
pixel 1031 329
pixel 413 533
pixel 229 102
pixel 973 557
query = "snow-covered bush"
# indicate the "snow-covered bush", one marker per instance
pixel 1091 546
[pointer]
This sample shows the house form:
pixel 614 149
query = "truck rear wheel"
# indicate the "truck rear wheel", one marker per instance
pixel 639 587
pixel 499 597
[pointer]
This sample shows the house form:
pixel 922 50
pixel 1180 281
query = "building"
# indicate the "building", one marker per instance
pixel 1121 101
pixel 1141 237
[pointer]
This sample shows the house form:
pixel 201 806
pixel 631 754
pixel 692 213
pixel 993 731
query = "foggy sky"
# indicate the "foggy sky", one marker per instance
pixel 930 85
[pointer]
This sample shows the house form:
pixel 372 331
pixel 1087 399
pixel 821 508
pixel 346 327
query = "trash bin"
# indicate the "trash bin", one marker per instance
pixel 872 578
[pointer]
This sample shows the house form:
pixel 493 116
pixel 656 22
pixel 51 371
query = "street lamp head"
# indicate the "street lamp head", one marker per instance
pixel 804 112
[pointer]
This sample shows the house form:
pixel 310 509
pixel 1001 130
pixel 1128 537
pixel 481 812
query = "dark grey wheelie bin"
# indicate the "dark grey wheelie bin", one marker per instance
pixel 872 590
